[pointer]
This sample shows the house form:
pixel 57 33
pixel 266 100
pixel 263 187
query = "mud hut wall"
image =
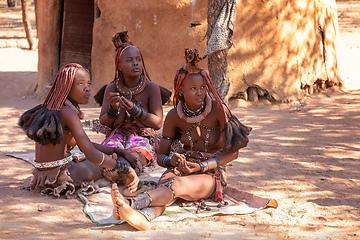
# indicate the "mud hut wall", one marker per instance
pixel 160 29
pixel 49 34
pixel 327 10
pixel 277 44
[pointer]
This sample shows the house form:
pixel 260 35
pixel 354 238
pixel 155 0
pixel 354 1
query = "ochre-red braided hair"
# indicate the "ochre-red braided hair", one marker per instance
pixel 235 132
pixel 182 73
pixel 61 86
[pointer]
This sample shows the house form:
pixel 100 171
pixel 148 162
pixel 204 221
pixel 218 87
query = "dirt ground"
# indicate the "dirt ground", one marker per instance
pixel 304 154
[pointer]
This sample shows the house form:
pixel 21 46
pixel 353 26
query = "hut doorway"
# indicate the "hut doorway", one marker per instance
pixel 77 31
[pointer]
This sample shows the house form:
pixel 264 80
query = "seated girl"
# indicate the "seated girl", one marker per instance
pixel 209 136
pixel 131 107
pixel 56 128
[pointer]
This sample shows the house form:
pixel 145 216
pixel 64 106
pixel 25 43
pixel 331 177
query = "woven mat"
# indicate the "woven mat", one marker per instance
pixel 99 206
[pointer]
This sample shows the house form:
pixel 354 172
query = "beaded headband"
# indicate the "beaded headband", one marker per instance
pixel 121 52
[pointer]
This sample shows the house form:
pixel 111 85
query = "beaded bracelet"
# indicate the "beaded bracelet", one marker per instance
pixel 167 162
pixel 123 167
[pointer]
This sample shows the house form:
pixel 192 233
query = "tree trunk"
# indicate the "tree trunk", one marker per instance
pixel 27 25
pixel 217 61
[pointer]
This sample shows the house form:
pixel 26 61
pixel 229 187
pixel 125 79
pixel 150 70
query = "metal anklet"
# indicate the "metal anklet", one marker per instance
pixel 141 201
pixel 149 213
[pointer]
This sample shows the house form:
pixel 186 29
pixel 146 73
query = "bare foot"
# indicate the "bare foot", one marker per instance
pixel 115 194
pixel 125 212
pixel 112 175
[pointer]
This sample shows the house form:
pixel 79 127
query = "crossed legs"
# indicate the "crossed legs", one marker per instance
pixel 122 210
pixel 191 188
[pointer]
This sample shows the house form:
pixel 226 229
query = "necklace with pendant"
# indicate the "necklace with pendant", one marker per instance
pixel 198 130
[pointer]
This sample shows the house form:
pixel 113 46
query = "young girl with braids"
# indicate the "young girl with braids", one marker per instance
pixel 56 128
pixel 131 106
pixel 209 136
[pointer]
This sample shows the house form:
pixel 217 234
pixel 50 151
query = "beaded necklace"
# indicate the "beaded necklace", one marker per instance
pixel 190 113
pixel 197 118
pixel 129 92
pixel 76 109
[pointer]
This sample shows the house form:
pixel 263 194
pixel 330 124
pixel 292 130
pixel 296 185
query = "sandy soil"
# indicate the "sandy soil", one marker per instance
pixel 304 154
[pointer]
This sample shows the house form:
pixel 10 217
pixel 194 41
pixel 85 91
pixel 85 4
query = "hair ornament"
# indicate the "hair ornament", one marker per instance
pixel 192 58
pixel 121 39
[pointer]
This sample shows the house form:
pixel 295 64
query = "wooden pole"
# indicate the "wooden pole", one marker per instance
pixel 27 25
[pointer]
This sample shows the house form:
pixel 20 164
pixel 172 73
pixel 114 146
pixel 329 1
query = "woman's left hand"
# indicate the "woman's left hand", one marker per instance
pixel 188 167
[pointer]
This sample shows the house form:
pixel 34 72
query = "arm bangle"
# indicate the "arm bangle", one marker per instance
pixel 122 167
pixel 212 163
pixel 206 165
pixel 103 159
pixel 167 162
pixel 136 111
pixel 201 166
pixel 111 112
pixel 217 161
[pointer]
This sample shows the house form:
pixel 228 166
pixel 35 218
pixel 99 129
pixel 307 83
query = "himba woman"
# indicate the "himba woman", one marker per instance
pixel 56 128
pixel 131 107
pixel 210 137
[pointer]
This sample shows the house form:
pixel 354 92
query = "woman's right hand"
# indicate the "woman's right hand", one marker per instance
pixel 189 167
pixel 113 99
pixel 176 159
pixel 125 104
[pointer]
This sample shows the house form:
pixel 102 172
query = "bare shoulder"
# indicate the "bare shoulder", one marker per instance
pixel 215 106
pixel 152 86
pixel 68 115
pixel 217 111
pixel 172 114
pixel 172 117
pixel 67 111
pixel 111 87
